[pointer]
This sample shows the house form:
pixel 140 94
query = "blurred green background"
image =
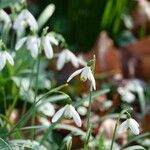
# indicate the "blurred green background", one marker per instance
pixel 81 21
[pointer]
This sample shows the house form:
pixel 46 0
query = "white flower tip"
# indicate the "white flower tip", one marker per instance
pixel 79 124
pixel 58 114
pixel 53 120
pixel 68 80
pixel 76 116
pixel 74 74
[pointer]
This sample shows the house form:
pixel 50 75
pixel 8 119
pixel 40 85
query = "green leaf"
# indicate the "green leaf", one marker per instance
pixel 45 15
pixel 3 132
pixel 80 101
pixel 7 3
pixel 4 145
pixel 28 114
pixel 136 147
pixel 101 142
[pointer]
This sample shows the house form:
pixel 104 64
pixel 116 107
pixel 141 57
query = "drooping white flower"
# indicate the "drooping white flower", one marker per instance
pixel 46 42
pixel 132 86
pixel 86 73
pixel 47 108
pixel 23 20
pixel 66 56
pixel 4 17
pixel 68 111
pixel 32 44
pixel 81 60
pixel 44 121
pixel 4 57
pixel 135 85
pixel 126 94
pixel 129 123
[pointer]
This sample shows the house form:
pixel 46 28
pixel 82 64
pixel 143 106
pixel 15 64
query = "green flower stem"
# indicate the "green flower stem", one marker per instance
pixel 30 83
pixel 89 110
pixel 27 115
pixel 114 134
pixel 35 96
pixel 5 101
pixel 88 123
pixel 88 133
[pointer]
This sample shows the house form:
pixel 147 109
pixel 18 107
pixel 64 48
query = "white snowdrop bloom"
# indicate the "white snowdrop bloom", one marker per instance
pixel 135 85
pixel 46 42
pixel 129 123
pixel 4 57
pixel 68 111
pixel 32 44
pixel 81 60
pixel 44 121
pixel 126 95
pixel 82 110
pixel 47 108
pixel 23 20
pixel 86 73
pixel 66 56
pixel 4 17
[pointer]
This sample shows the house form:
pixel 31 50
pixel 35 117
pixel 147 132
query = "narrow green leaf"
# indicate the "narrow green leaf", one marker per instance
pixel 80 101
pixel 106 19
pixel 4 145
pixel 101 142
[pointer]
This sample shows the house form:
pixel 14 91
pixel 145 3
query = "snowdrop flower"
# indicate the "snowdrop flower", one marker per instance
pixel 68 111
pixel 86 73
pixel 135 85
pixel 126 94
pixel 24 19
pixel 47 109
pixel 4 17
pixel 44 121
pixel 32 44
pixel 66 56
pixel 46 43
pixel 5 56
pixel 129 123
pixel 81 60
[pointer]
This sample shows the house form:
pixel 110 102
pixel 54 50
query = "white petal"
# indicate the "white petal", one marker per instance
pixel 47 109
pixel 60 61
pixel 32 45
pixel 81 60
pixel 20 43
pixel 20 31
pixel 5 17
pixel 68 112
pixel 18 21
pixel 73 59
pixel 31 21
pixel 74 74
pixel 9 58
pixel 24 19
pixel 123 127
pixel 58 114
pixel 84 74
pixel 2 60
pixel 134 126
pixel 47 47
pixel 92 79
pixel 76 116
pixel 53 40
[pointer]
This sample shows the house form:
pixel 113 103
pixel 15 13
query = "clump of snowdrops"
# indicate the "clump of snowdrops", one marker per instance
pixel 26 46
